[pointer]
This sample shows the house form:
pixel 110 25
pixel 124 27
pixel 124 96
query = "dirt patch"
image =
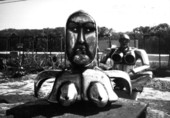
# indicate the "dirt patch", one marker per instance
pixel 159 85
pixel 154 113
pixel 157 95
pixel 160 105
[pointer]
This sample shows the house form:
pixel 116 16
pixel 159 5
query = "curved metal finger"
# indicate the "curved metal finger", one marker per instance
pixel 66 88
pixel 121 79
pixel 97 76
pixel 42 77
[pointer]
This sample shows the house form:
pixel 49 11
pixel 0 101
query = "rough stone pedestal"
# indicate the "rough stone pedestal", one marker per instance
pixel 123 108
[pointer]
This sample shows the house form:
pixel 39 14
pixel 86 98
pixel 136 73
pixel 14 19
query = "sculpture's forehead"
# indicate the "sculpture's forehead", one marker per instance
pixel 81 18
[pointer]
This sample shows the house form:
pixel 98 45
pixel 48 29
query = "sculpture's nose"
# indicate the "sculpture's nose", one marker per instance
pixel 81 36
pixel 68 94
pixel 98 94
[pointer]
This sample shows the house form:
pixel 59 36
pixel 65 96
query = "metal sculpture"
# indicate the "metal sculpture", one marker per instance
pixel 84 81
pixel 125 59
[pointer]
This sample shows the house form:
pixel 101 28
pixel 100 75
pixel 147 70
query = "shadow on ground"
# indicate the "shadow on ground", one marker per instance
pixel 44 108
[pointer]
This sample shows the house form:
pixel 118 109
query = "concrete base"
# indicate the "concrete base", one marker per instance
pixel 123 108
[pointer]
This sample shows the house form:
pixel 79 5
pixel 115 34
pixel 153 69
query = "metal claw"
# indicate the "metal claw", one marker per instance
pixel 42 77
pixel 68 94
pixel 98 94
pixel 121 79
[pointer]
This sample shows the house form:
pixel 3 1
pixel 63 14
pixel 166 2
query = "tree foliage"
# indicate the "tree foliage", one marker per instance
pixel 153 39
pixel 32 40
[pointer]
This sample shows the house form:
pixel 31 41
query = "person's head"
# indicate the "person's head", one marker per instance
pixel 124 40
pixel 81 39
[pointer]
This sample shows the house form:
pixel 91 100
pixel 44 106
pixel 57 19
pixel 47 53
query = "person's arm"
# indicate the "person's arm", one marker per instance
pixel 145 61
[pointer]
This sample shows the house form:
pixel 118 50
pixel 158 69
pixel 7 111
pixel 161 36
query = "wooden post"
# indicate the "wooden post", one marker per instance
pixel 159 52
pixel 169 60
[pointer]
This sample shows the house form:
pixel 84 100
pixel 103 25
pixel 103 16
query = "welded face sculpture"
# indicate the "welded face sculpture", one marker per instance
pixel 82 82
pixel 81 39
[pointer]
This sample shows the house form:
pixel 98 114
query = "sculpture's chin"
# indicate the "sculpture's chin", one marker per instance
pixel 81 59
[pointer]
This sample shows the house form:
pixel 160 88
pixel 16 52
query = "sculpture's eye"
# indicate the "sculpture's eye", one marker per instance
pixel 73 27
pixel 89 27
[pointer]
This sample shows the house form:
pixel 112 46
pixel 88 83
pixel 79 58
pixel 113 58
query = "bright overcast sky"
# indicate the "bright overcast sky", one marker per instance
pixel 120 15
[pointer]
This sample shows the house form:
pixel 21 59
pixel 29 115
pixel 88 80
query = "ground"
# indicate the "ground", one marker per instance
pixel 20 90
pixel 157 95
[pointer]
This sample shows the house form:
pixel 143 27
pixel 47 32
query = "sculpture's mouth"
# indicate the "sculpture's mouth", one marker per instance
pixel 81 50
pixel 81 56
pixel 81 59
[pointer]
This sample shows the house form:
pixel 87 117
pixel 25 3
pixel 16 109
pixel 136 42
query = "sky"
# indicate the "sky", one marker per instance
pixel 120 15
